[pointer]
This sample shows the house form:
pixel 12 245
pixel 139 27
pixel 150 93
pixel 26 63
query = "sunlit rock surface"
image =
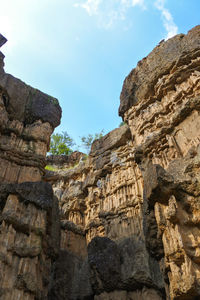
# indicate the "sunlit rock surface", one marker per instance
pixel 29 232
pixel 123 223
pixel 160 101
pixel 27 120
pixel 135 199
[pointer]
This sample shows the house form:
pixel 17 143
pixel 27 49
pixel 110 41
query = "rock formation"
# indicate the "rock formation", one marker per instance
pixel 101 205
pixel 28 208
pixel 64 161
pixel 160 101
pixel 135 199
pixel 127 225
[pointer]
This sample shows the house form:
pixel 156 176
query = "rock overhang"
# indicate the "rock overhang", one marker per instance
pixel 139 85
pixel 25 103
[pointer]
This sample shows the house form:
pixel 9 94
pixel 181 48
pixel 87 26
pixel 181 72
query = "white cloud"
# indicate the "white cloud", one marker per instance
pixel 109 11
pixel 91 6
pixel 168 21
pixel 132 3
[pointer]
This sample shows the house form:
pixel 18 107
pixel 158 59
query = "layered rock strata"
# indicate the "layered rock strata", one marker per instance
pixel 29 220
pixel 64 161
pixel 27 239
pixel 134 201
pixel 160 101
pixel 127 226
pixel 101 206
pixel 27 120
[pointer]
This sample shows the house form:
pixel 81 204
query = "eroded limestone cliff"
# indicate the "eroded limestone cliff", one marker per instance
pixel 135 200
pixel 160 101
pixel 28 209
pixel 124 222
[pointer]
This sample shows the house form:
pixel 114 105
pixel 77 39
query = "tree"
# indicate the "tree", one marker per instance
pixel 89 139
pixel 61 144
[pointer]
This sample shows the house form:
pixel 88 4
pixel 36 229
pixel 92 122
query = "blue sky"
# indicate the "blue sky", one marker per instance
pixel 80 51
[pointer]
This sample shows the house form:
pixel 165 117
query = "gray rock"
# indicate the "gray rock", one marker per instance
pixel 104 261
pixel 70 279
pixel 39 193
pixel 27 104
pixel 3 40
pixel 139 84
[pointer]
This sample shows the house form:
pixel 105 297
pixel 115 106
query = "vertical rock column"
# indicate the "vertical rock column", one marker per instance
pixel 100 203
pixel 27 206
pixel 160 102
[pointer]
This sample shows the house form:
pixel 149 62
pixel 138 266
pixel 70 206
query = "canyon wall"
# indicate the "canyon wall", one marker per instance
pixel 160 102
pixel 123 223
pixel 100 203
pixel 28 208
pixel 134 200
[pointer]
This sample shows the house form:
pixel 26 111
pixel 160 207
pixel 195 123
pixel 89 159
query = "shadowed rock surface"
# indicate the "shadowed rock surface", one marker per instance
pixel 123 223
pixel 3 40
pixel 40 193
pixel 135 199
pixel 29 215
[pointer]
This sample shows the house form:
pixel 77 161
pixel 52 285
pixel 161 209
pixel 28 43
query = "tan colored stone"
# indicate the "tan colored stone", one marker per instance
pixel 27 119
pixel 134 201
pixel 74 243
pixel 28 218
pixel 115 200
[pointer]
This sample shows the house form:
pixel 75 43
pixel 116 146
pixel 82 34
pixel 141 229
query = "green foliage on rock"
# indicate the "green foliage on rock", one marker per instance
pixel 89 139
pixel 51 168
pixel 61 144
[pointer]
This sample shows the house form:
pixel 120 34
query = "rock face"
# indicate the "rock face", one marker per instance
pixel 134 201
pixel 127 225
pixel 27 120
pixel 28 209
pixel 65 161
pixel 160 101
pixel 101 206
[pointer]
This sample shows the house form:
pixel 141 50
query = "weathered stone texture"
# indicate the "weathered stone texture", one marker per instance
pixel 27 119
pixel 164 121
pixel 65 161
pixel 135 199
pixel 28 209
pixel 127 225
pixel 27 242
pixel 101 203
